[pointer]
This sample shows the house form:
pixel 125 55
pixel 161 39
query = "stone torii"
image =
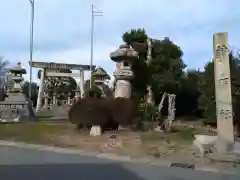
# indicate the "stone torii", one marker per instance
pixel 47 66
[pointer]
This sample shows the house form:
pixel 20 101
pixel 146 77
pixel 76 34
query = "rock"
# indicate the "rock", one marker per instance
pixel 113 136
pixel 95 131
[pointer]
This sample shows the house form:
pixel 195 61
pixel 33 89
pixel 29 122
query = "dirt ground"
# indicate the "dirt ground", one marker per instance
pixel 176 145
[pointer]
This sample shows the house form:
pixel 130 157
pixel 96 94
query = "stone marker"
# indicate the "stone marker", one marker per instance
pixel 223 92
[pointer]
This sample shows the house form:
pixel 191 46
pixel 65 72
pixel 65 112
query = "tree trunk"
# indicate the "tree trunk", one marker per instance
pixel 150 95
pixel 237 129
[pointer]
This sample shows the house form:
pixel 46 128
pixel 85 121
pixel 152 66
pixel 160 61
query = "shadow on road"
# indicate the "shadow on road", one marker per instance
pixel 84 171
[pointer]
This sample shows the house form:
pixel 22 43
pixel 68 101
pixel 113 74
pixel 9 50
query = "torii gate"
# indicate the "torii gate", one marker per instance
pixel 46 66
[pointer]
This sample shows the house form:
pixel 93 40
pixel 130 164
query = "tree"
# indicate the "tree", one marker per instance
pixel 3 77
pixel 166 67
pixel 139 67
pixel 34 94
pixel 3 71
pixel 163 72
pixel 188 94
pixel 207 99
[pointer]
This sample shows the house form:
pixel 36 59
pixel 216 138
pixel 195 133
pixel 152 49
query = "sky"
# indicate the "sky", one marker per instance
pixel 62 28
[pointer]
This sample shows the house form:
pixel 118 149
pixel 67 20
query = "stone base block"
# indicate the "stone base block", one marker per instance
pixel 95 131
pixel 205 143
pixel 120 127
pixel 224 146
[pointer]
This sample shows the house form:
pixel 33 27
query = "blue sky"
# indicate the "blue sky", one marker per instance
pixel 62 28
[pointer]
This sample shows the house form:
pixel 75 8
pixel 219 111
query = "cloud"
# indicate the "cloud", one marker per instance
pixel 62 28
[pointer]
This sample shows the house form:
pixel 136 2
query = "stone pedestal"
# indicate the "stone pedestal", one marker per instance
pixel 54 99
pixel 123 89
pixel 81 85
pixel 95 131
pixel 69 100
pixel 45 101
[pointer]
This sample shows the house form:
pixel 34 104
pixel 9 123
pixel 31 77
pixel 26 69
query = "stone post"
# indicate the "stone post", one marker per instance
pixel 46 101
pixel 223 92
pixel 81 85
pixel 40 91
pixel 69 99
pixel 54 98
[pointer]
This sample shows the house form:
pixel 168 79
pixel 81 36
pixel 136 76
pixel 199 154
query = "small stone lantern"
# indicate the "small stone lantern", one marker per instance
pixel 99 77
pixel 124 57
pixel 16 77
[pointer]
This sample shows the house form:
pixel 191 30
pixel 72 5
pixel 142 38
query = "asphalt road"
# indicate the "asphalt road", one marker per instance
pixel 25 164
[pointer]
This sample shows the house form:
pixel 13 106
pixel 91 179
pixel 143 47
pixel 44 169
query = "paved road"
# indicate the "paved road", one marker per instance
pixel 25 164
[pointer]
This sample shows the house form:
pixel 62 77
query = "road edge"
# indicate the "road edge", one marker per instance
pixel 109 156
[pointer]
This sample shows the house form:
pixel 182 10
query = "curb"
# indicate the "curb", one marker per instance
pixel 109 156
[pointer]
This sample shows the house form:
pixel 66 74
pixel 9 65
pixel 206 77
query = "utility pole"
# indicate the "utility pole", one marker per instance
pixel 95 12
pixel 32 3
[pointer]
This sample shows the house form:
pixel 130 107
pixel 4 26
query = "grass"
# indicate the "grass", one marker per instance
pixel 44 114
pixel 179 134
pixel 32 133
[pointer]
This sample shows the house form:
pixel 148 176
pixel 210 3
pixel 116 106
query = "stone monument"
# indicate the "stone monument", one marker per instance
pixel 223 92
pixel 228 148
pixel 124 57
pixel 15 106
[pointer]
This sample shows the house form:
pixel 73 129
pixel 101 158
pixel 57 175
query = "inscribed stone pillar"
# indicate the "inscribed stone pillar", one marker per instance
pixel 223 92
pixel 81 85
pixel 40 91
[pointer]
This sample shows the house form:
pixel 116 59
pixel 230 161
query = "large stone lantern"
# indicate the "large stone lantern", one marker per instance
pixel 124 57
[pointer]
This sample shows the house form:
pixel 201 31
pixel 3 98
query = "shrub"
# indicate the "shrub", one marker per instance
pixel 147 111
pixel 107 113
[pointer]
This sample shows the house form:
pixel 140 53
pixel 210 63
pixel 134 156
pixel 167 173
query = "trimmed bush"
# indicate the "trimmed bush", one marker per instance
pixel 89 111
pixel 107 113
pixel 123 110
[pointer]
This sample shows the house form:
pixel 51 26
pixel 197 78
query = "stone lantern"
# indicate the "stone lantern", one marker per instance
pixel 16 77
pixel 124 57
pixel 15 105
pixel 99 77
